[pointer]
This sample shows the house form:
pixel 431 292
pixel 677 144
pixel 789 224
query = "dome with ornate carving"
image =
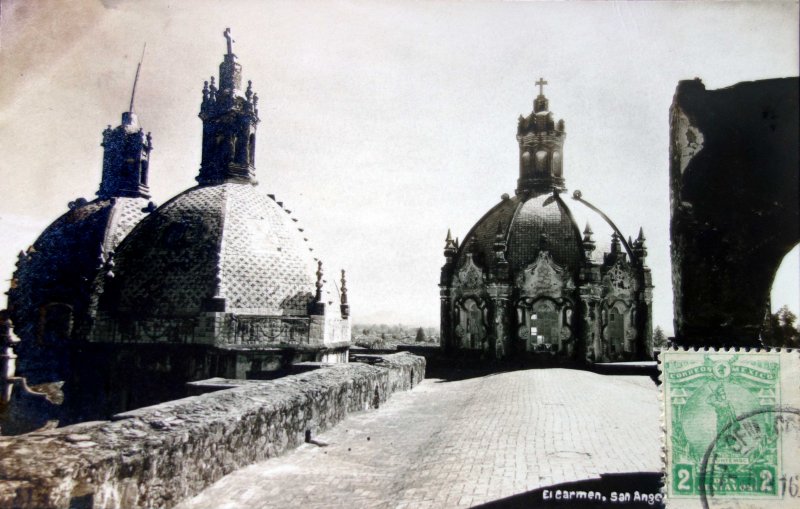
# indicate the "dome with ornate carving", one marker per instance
pixel 525 280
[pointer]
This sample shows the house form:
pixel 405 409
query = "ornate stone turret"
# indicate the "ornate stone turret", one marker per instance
pixel 229 119
pixel 126 158
pixel 541 143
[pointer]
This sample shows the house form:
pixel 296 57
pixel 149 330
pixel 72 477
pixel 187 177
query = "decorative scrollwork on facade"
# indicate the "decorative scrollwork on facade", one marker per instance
pixel 470 277
pixel 619 281
pixel 544 277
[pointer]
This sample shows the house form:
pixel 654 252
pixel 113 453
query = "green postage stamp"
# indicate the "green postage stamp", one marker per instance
pixel 732 428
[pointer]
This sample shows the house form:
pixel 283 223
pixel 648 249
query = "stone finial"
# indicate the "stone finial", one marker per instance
pixel 450 246
pixel 345 307
pixel 639 248
pixel 615 245
pixel 588 243
pixel 318 296
pixel 317 305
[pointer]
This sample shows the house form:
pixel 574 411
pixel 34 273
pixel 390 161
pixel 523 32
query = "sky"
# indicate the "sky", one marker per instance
pixel 383 123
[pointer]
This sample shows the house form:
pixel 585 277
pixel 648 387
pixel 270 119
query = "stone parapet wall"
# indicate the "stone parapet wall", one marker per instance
pixel 159 455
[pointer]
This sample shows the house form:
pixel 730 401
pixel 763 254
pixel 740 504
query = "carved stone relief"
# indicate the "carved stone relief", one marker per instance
pixel 470 277
pixel 544 278
pixel 619 281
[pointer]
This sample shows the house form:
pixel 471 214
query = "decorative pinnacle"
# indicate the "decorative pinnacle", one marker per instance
pixel 588 229
pixel 449 245
pixel 344 288
pixel 641 237
pixel 318 296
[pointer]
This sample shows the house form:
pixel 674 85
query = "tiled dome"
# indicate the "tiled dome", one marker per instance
pixel 59 269
pixel 61 264
pixel 527 225
pixel 227 241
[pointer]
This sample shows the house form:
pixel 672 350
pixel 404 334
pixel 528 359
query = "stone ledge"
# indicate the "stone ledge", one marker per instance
pixel 159 455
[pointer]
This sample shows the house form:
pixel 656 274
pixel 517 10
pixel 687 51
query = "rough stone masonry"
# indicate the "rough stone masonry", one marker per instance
pixel 159 455
pixel 734 201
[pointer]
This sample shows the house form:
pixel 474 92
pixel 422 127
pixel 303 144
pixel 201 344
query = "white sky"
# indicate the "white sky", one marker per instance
pixel 383 124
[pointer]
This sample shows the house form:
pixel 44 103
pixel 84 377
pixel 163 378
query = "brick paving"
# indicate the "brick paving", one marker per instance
pixel 461 443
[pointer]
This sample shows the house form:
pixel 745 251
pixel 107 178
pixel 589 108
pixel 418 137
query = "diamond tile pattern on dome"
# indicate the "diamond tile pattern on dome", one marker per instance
pixel 167 265
pixel 226 240
pixel 266 267
pixel 543 215
pixel 127 212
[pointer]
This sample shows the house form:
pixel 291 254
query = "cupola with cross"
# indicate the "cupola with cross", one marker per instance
pixel 230 117
pixel 525 283
pixel 541 143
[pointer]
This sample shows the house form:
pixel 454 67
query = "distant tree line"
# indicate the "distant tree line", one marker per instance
pixel 780 329
pixel 389 336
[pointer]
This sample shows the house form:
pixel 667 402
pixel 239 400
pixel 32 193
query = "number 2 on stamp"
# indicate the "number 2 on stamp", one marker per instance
pixel 684 478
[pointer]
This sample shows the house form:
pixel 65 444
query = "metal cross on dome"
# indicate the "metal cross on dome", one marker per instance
pixel 541 83
pixel 229 39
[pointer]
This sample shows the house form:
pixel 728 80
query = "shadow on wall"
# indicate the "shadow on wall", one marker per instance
pixel 629 490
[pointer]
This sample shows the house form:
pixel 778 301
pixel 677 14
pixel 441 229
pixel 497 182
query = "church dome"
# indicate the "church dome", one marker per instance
pixel 51 288
pixel 527 225
pixel 526 280
pixel 224 243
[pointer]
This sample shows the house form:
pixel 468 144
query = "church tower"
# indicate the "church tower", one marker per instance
pixel 229 119
pixel 541 148
pixel 126 156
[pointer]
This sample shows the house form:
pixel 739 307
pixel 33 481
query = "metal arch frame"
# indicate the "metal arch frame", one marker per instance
pixel 578 196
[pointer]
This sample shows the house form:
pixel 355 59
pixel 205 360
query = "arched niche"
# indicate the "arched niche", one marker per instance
pixel 557 163
pixel 545 325
pixel 525 162
pixel 471 328
pixel 541 161
pixel 618 330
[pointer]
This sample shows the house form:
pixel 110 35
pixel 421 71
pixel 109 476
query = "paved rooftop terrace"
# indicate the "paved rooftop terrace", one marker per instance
pixel 462 442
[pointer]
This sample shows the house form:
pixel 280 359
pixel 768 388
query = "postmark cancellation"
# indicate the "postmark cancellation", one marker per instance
pixel 731 422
